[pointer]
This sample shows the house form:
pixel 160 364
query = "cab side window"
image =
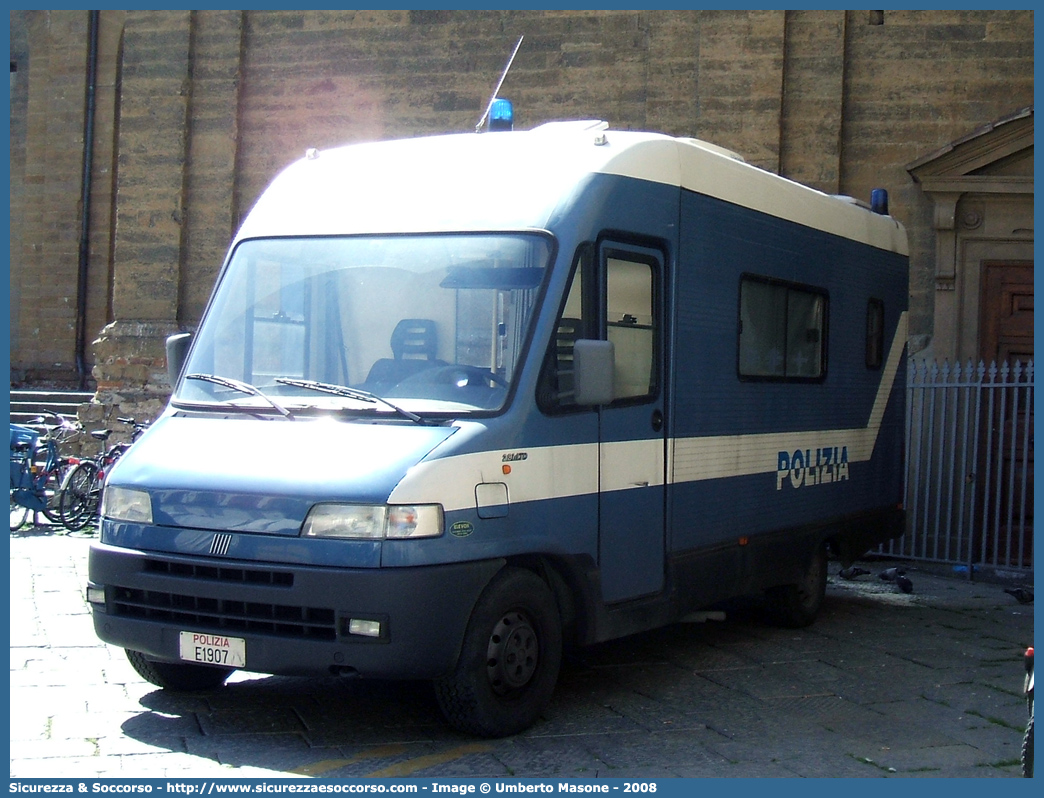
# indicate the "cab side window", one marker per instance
pixel 612 296
pixel 555 392
pixel 630 325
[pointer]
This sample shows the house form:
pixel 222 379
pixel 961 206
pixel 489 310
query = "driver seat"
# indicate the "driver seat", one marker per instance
pixel 413 344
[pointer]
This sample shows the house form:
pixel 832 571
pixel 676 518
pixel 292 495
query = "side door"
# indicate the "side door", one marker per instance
pixel 632 430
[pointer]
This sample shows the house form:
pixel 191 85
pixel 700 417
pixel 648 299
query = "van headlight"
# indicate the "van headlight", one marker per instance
pixel 126 504
pixel 373 522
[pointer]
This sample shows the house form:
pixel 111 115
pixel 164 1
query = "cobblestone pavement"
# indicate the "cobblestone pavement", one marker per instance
pixel 884 684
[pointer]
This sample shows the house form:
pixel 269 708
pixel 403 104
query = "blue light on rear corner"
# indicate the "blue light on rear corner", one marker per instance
pixel 501 115
pixel 879 201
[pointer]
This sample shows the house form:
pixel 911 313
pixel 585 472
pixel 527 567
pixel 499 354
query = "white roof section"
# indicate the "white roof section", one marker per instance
pixel 516 180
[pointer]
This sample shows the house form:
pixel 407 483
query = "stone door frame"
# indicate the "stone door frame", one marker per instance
pixel 981 187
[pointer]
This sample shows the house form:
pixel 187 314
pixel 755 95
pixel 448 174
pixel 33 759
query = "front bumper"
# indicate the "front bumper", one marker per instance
pixel 295 619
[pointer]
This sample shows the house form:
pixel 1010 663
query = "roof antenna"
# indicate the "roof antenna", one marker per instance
pixel 500 82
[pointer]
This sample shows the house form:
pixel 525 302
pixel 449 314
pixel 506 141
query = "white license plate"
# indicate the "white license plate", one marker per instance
pixel 213 649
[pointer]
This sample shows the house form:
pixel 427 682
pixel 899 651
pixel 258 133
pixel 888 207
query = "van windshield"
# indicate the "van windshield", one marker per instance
pixel 433 323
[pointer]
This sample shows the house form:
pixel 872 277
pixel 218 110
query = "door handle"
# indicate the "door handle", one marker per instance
pixel 657 420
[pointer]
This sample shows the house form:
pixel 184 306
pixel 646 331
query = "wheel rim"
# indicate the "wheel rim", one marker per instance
pixel 513 653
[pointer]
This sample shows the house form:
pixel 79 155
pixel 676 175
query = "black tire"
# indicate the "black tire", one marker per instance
pixel 795 606
pixel 178 676
pixel 1027 748
pixel 78 499
pixel 509 660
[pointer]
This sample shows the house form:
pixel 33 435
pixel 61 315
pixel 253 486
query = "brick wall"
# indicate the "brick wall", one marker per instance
pixel 740 93
pixel 813 98
pixel 212 190
pixel 19 51
pixel 48 92
pixel 48 88
pixel 199 109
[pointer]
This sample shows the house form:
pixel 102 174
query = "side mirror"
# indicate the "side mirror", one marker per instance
pixel 593 366
pixel 177 351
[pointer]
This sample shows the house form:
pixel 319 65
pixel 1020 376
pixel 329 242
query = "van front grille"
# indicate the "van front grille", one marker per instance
pixel 203 614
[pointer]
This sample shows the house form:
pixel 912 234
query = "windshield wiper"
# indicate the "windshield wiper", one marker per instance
pixel 242 387
pixel 351 393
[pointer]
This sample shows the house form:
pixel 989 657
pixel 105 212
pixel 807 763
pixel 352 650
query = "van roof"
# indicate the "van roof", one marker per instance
pixel 516 180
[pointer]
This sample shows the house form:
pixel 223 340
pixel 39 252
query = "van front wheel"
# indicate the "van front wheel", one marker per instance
pixel 177 676
pixel 509 660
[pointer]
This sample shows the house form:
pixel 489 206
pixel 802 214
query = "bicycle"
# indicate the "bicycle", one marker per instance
pixel 81 492
pixel 38 468
pixel 1027 738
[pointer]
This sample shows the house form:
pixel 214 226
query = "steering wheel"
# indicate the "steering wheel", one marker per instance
pixel 460 376
pixel 464 376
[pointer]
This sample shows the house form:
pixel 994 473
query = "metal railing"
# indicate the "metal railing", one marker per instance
pixel 969 465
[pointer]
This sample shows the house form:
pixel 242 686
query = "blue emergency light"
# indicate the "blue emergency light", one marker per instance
pixel 501 115
pixel 879 201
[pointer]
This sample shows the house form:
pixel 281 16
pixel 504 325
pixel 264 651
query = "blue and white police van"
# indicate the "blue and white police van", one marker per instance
pixel 457 402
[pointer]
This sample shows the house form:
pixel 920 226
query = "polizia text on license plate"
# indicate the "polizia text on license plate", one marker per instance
pixel 213 649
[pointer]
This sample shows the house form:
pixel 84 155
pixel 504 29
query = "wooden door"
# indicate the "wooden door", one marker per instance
pixel 1007 312
pixel 1006 338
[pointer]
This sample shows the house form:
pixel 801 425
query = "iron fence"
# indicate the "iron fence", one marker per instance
pixel 969 465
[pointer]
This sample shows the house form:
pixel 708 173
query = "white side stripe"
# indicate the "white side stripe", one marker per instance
pixel 552 472
pixel 548 472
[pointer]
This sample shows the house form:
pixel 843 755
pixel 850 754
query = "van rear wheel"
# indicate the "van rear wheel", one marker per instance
pixel 797 605
pixel 177 676
pixel 509 660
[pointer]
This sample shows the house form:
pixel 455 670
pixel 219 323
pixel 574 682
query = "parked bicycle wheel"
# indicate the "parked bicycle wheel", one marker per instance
pixel 78 498
pixel 52 489
pixel 19 514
